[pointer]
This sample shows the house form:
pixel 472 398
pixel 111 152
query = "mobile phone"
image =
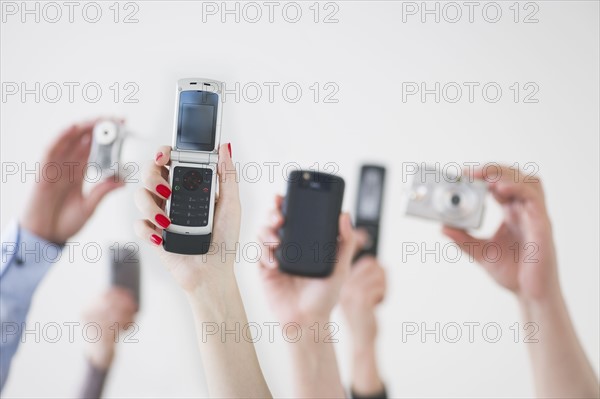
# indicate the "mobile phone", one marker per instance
pixel 193 173
pixel 369 206
pixel 311 211
pixel 125 269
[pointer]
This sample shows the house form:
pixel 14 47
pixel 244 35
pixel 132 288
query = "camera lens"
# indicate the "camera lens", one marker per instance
pixel 455 199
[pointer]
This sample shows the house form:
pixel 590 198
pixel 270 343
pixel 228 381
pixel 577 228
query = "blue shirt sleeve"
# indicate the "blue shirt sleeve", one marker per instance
pixel 25 260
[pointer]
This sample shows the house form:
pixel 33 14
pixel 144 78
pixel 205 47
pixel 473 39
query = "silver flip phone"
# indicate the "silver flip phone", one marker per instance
pixel 193 172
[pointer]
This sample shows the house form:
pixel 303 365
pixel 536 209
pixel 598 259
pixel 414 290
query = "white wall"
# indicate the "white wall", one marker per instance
pixel 367 54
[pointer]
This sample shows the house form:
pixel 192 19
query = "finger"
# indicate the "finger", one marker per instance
pixel 145 202
pixel 148 232
pixel 99 192
pixel 154 182
pixel 70 137
pixel 268 241
pixel 506 191
pixel 469 244
pixel 362 238
pixel 346 245
pixel 123 299
pixel 279 201
pixel 275 219
pixel 229 190
pixel 163 156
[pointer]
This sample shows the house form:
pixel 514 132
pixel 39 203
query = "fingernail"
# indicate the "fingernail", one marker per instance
pixel 229 148
pixel 155 239
pixel 162 220
pixel 163 190
pixel 159 155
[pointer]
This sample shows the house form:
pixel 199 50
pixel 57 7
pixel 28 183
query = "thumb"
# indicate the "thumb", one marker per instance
pixel 229 190
pixel 346 246
pixel 98 192
pixel 469 244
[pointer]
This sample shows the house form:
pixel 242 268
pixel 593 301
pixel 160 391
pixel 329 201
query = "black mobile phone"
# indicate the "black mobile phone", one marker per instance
pixel 311 211
pixel 369 206
pixel 125 269
pixel 193 174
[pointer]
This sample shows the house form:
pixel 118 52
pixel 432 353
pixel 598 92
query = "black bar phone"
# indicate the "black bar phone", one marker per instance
pixel 193 173
pixel 311 211
pixel 125 269
pixel 369 206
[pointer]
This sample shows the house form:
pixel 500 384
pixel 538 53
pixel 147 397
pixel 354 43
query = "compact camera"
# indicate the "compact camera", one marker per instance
pixel 107 142
pixel 453 200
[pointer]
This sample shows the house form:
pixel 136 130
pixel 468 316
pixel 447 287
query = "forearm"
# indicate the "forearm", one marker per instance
pixel 560 366
pixel 366 381
pixel 230 362
pixel 315 367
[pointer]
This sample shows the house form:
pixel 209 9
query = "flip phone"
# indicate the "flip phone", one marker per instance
pixel 369 206
pixel 193 172
pixel 125 269
pixel 311 212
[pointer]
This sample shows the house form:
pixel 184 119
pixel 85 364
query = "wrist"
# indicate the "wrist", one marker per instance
pixel 101 357
pixel 213 297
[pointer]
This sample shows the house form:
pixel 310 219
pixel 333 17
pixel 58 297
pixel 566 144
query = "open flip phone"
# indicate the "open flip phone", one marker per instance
pixel 369 206
pixel 311 211
pixel 193 173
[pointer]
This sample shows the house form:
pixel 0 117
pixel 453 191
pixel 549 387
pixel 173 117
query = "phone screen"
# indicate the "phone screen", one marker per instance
pixel 197 120
pixel 369 198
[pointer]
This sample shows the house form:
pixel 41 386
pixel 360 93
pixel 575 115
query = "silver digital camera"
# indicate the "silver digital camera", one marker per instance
pixel 453 200
pixel 107 143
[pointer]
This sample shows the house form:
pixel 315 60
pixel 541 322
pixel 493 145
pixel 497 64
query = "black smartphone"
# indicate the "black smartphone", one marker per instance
pixel 311 211
pixel 125 269
pixel 369 206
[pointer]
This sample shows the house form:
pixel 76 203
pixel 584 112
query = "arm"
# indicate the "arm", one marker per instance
pixel 364 290
pixel 23 267
pixel 57 210
pixel 560 367
pixel 232 368
pixel 116 306
pixel 307 301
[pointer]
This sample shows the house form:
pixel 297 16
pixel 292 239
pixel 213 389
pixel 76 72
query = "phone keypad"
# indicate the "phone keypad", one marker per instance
pixel 190 201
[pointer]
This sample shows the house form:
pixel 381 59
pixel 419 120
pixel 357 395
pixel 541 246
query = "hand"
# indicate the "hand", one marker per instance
pixel 361 293
pixel 303 300
pixel 526 263
pixel 58 209
pixel 192 271
pixel 115 307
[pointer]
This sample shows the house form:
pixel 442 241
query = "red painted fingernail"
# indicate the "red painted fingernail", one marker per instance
pixel 163 190
pixel 155 239
pixel 229 148
pixel 159 155
pixel 162 220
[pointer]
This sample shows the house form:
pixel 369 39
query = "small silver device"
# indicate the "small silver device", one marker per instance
pixel 193 169
pixel 107 143
pixel 453 200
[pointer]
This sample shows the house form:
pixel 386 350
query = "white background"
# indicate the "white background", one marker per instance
pixel 368 53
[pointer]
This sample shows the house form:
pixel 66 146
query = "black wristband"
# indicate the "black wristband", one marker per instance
pixel 377 395
pixel 186 244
